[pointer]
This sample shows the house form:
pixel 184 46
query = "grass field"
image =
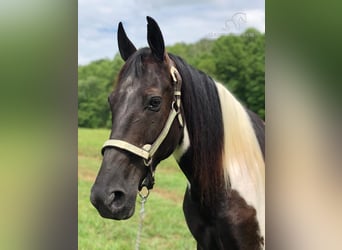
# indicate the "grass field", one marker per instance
pixel 164 224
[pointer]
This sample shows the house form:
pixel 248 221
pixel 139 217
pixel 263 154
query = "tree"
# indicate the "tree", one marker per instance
pixel 239 63
pixel 92 103
pixel 95 81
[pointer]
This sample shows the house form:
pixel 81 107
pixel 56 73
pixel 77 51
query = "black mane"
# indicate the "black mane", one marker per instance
pixel 203 117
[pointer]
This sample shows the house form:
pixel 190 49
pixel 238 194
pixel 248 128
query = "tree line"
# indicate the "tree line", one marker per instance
pixel 237 61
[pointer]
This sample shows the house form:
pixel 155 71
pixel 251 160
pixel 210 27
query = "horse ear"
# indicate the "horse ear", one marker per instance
pixel 126 47
pixel 155 39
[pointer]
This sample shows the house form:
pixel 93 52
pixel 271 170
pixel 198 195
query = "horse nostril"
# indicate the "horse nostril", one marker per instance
pixel 115 198
pixel 118 195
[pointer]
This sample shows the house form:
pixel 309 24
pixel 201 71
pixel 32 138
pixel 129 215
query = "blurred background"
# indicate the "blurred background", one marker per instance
pixel 41 55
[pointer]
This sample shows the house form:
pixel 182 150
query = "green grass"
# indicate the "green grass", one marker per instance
pixel 164 225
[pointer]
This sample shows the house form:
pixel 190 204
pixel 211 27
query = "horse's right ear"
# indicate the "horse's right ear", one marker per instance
pixel 126 47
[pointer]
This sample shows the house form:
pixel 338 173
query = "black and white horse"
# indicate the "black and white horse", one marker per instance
pixel 163 106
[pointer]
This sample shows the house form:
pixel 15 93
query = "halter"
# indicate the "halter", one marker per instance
pixel 148 150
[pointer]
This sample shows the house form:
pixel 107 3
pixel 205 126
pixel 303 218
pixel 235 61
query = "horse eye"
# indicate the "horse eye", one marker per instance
pixel 154 103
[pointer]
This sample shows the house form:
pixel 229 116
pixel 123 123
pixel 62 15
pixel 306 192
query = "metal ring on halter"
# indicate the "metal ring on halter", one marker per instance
pixel 174 105
pixel 144 196
pixel 147 163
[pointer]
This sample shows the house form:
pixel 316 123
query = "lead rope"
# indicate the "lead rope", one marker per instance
pixel 143 197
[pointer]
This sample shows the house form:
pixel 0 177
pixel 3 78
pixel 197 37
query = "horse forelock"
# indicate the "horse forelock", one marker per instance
pixel 136 65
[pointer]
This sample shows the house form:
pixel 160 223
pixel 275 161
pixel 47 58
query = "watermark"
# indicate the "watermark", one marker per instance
pixel 236 23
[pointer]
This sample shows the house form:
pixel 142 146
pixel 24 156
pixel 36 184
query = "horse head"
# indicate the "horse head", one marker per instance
pixel 146 124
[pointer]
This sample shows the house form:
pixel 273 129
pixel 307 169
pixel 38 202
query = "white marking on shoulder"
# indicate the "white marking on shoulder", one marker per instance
pixel 184 146
pixel 244 166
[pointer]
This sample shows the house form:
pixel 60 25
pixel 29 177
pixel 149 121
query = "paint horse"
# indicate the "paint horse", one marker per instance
pixel 163 106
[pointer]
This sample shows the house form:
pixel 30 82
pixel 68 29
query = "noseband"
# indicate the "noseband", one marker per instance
pixel 148 150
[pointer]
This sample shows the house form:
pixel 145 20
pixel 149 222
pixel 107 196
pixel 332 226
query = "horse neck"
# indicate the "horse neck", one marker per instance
pixel 219 150
pixel 222 153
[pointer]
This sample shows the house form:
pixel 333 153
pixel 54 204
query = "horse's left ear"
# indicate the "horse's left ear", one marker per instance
pixel 155 39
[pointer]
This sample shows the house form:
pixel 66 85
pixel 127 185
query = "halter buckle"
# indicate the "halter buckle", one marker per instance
pixel 173 71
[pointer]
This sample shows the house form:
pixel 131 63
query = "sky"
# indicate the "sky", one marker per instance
pixel 179 20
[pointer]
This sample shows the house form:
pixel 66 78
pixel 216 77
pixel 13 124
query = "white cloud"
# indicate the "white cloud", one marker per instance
pixel 179 20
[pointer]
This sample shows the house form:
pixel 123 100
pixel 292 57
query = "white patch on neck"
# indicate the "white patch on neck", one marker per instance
pixel 184 146
pixel 244 166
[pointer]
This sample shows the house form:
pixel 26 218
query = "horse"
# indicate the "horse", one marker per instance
pixel 162 106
